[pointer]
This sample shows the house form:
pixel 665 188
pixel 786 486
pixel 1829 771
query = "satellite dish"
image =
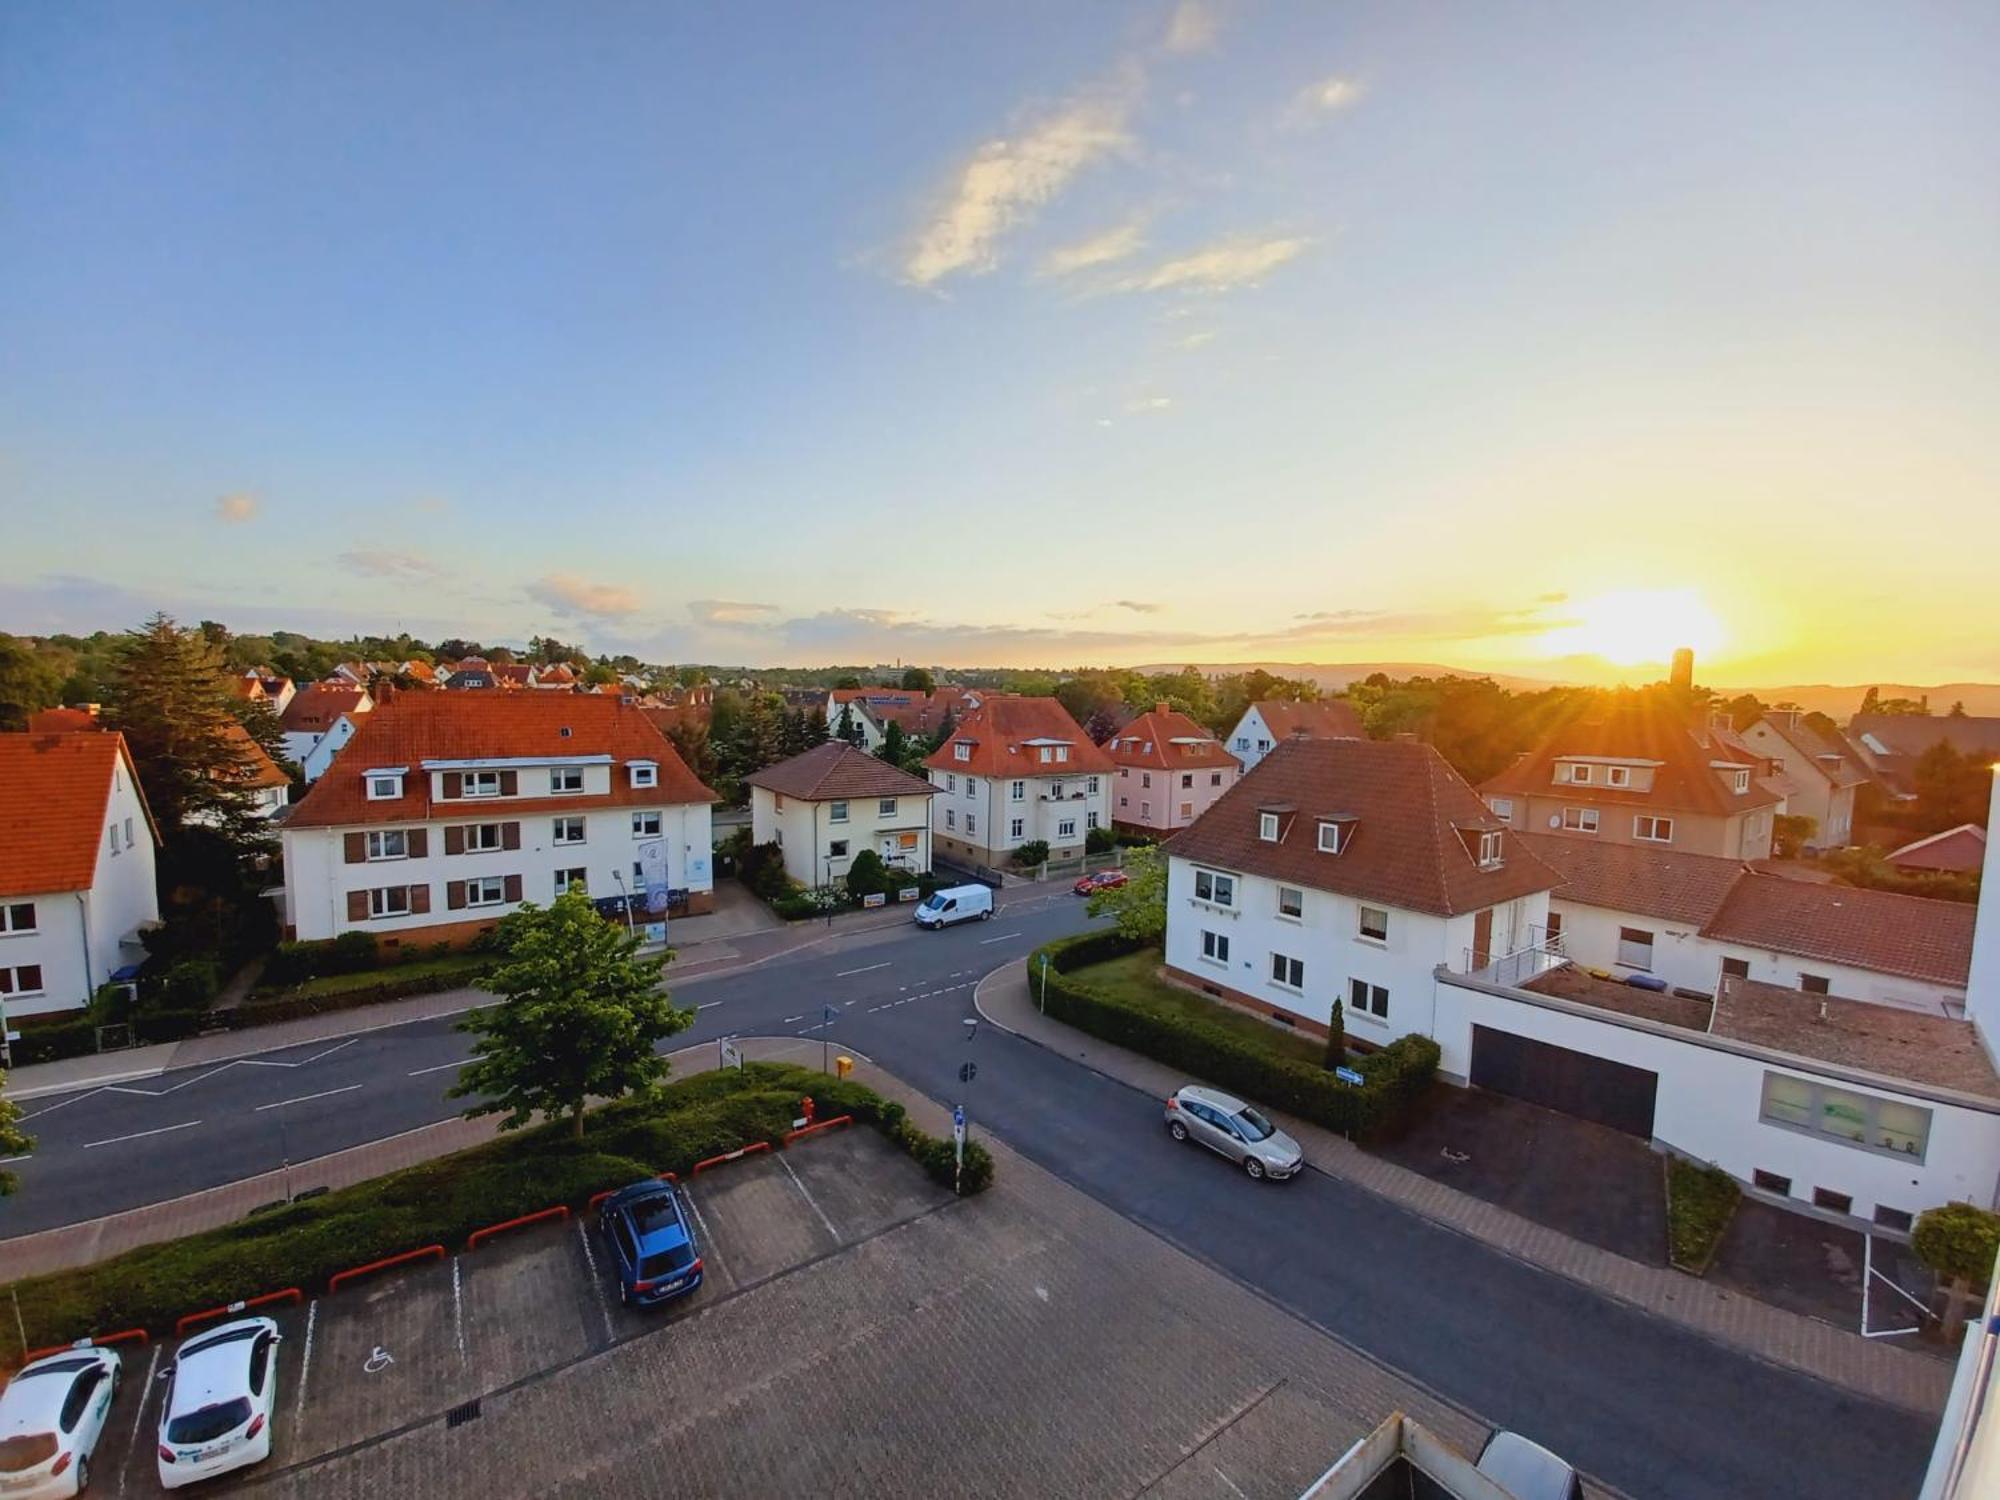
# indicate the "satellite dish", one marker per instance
pixel 1555 820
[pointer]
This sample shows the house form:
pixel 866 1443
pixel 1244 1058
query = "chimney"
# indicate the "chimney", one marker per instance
pixel 1159 708
pixel 1681 675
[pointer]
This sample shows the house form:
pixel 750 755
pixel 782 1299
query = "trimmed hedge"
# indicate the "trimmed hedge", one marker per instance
pixel 1395 1077
pixel 262 1008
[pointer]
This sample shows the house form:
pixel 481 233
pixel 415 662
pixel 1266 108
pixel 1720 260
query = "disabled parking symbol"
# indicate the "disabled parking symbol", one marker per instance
pixel 378 1361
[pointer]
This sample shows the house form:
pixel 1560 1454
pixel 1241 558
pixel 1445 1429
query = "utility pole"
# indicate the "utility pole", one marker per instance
pixel 967 1072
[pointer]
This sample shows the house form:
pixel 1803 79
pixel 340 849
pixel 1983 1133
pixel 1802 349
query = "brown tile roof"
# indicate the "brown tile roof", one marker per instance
pixel 314 707
pixel 1683 780
pixel 1845 772
pixel 1323 718
pixel 511 674
pixel 1913 734
pixel 916 713
pixel 1167 739
pixel 54 789
pixel 419 727
pixel 1409 846
pixel 1878 930
pixel 837 770
pixel 1956 851
pixel 1677 886
pixel 1939 1050
pixel 998 731
pixel 259 770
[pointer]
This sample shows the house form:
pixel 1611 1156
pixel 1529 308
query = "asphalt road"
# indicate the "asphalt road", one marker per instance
pixel 1644 1404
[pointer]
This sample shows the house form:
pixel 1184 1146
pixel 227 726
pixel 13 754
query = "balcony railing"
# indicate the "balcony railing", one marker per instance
pixel 1516 968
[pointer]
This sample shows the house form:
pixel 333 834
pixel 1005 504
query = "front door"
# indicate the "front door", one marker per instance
pixel 1482 939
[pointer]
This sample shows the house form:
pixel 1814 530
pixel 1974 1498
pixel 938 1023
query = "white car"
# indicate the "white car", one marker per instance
pixel 51 1416
pixel 217 1415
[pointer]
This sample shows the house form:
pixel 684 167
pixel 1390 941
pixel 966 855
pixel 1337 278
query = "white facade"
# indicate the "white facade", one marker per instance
pixel 1982 1000
pixel 314 753
pixel 984 818
pixel 821 837
pixel 1251 740
pixel 867 733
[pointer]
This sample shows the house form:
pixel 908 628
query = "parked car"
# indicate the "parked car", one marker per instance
pixel 1102 880
pixel 222 1388
pixel 958 903
pixel 1231 1128
pixel 1527 1470
pixel 652 1244
pixel 51 1416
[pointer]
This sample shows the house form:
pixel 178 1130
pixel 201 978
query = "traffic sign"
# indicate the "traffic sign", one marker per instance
pixel 1348 1075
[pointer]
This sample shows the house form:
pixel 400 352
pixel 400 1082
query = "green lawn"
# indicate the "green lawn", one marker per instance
pixel 450 966
pixel 1131 979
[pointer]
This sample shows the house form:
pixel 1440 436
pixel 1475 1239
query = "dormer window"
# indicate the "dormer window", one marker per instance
pixel 1739 781
pixel 1335 834
pixel 1267 827
pixel 1489 850
pixel 1580 775
pixel 384 786
pixel 645 773
pixel 481 784
pixel 565 779
pixel 963 751
pixel 1617 775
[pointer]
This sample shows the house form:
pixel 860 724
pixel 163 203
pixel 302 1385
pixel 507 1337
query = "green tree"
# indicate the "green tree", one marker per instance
pixel 1138 908
pixel 815 732
pixel 13 1140
pixel 896 748
pixel 1958 1241
pixel 1951 788
pixel 28 681
pixel 846 682
pixel 848 728
pixel 917 680
pixel 578 1016
pixel 1336 1039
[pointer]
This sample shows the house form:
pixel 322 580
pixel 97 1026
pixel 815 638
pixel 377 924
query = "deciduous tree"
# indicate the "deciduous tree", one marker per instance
pixel 13 1140
pixel 1138 908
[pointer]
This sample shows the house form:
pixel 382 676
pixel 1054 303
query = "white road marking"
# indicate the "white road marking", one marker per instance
pixel 458 1309
pixel 870 969
pixel 1000 939
pixel 141 1135
pixel 119 1088
pixel 377 1362
pixel 8 1161
pixel 139 1416
pixel 708 1005
pixel 809 1198
pixel 789 1019
pixel 327 1053
pixel 78 1099
pixel 596 1281
pixel 305 1362
pixel 438 1068
pixel 308 1098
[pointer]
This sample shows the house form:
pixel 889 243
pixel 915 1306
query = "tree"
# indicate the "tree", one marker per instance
pixel 917 680
pixel 28 681
pixel 1138 908
pixel 848 729
pixel 846 682
pixel 815 732
pixel 13 1140
pixel 577 1019
pixel 1336 1039
pixel 896 747
pixel 1958 1241
pixel 1951 788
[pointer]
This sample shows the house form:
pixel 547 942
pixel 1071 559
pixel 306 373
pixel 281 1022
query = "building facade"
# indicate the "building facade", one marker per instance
pixel 825 806
pixel 1269 723
pixel 1169 772
pixel 1824 775
pixel 1015 771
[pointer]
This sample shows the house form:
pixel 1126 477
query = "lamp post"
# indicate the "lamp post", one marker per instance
pixel 967 1072
pixel 626 896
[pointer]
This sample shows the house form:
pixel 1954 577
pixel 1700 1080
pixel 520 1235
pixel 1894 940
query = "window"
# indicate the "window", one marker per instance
pixel 1267 827
pixel 1187 809
pixel 1375 924
pixel 1017 791
pixel 1840 1203
pixel 16 917
pixel 1056 791
pixel 128 833
pixel 837 811
pixel 567 878
pixel 480 784
pixel 1815 984
pixel 1580 775
pixel 1552 935
pixel 1739 781
pixel 963 751
pixel 111 833
pixel 972 786
pixel 1124 801
pixel 1332 837
pixel 837 848
pixel 1066 829
pixel 389 901
pixel 1145 778
pixel 1503 808
pixel 1367 999
pixel 1489 850
pixel 25 979
pixel 1215 888
pixel 1215 947
pixel 1187 782
pixel 482 837
pixel 645 825
pixel 381 788
pixel 1062 753
pixel 1635 948
pixel 1145 809
pixel 1617 775
pixel 1651 830
pixel 1288 973
pixel 886 808
pixel 1736 968
pixel 565 779
pixel 486 890
pixel 1014 828
pixel 972 823
pixel 1242 742
pixel 569 830
pixel 1897 1219
pixel 645 773
pixel 951 786
pixel 1771 1182
pixel 1580 819
pixel 1291 902
pixel 1864 1120
pixel 393 843
pixel 951 817
pixel 1215 778
pixel 1090 785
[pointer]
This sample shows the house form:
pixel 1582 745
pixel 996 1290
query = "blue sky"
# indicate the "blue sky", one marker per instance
pixel 1025 333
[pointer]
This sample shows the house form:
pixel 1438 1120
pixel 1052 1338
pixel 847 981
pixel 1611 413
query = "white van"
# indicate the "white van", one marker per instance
pixel 958 903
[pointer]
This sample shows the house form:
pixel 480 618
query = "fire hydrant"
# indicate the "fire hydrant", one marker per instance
pixel 806 1108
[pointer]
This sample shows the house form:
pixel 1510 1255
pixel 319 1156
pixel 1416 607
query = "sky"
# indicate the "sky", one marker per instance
pixel 1531 338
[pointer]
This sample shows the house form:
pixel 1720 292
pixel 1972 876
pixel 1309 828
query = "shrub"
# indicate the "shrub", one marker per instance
pixel 868 876
pixel 1099 841
pixel 351 953
pixel 295 963
pixel 762 871
pixel 190 984
pixel 1701 1198
pixel 1958 1241
pixel 263 1007
pixel 1034 852
pixel 53 1040
pixel 795 907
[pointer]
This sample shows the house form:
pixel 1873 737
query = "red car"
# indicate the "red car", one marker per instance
pixel 1103 880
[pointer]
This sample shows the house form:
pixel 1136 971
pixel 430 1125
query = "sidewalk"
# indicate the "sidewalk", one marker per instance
pixel 1872 1368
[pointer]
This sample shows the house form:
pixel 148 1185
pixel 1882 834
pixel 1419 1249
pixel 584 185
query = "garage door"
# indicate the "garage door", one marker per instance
pixel 1592 1088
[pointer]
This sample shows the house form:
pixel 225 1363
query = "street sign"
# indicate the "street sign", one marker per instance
pixel 1348 1075
pixel 728 1057
pixel 967 1072
pixel 958 1126
pixel 958 1148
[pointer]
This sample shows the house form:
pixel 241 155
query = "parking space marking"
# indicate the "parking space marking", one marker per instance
pixel 810 1202
pixel 596 1281
pixel 308 1098
pixel 435 1068
pixel 1000 939
pixel 706 1238
pixel 305 1363
pixel 139 1415
pixel 141 1135
pixel 869 969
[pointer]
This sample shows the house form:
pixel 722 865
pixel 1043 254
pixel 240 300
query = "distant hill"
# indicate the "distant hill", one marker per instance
pixel 1334 677
pixel 1981 699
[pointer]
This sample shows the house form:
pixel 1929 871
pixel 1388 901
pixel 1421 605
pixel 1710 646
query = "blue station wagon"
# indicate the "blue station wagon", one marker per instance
pixel 652 1244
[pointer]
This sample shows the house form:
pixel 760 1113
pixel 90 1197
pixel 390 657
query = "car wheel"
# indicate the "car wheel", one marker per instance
pixel 1177 1130
pixel 987 915
pixel 82 1474
pixel 1254 1167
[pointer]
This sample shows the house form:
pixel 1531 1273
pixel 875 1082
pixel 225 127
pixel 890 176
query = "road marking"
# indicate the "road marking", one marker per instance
pixel 327 1053
pixel 1000 939
pixel 117 1088
pixel 139 1416
pixel 709 1005
pixel 378 1361
pixel 64 1105
pixel 596 1281
pixel 8 1161
pixel 458 1309
pixel 790 1019
pixel 438 1068
pixel 305 1362
pixel 308 1098
pixel 140 1135
pixel 809 1198
pixel 870 969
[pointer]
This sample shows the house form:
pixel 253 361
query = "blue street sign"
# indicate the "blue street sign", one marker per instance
pixel 958 1117
pixel 1348 1075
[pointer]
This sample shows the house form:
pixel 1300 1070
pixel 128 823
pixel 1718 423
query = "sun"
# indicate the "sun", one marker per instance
pixel 1634 626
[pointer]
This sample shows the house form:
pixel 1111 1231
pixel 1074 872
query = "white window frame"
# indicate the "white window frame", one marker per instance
pixel 14 987
pixel 836 811
pixel 1647 829
pixel 1267 827
pixel 1819 1094
pixel 380 842
pixel 961 752
pixel 384 788
pixel 1215 948
pixel 951 819
pixel 836 849
pixel 1018 792
pixel 885 807
pixel 1503 808
pixel 1579 775
pixel 1489 849
pixel 479 784
pixel 578 876
pixel 644 775
pixel 381 906
pixel 560 830
pixel 971 824
pixel 565 780
pixel 1331 838
pixel 1630 949
pixel 475 838
pixel 1298 895
pixel 1618 776
pixel 1090 786
pixel 1066 829
pixel 1365 999
pixel 1015 828
pixel 1361 924
pixel 951 785
pixel 1215 888
pixel 1288 973
pixel 11 922
pixel 1586 820
pixel 478 886
pixel 1090 820
pixel 640 822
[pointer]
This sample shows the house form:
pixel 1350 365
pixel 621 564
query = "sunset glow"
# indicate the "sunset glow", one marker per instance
pixel 1633 626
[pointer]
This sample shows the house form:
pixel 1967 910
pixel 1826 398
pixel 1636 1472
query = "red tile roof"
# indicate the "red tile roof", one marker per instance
pixel 915 713
pixel 1321 718
pixel 1680 887
pixel 1412 818
pixel 511 674
pixel 54 789
pixel 998 732
pixel 1876 930
pixel 419 727
pixel 1167 739
pixel 1683 779
pixel 61 720
pixel 259 770
pixel 314 708
pixel 1956 851
pixel 838 770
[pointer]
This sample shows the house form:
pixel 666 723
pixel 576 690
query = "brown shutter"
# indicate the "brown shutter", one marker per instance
pixel 454 839
pixel 511 887
pixel 510 835
pixel 357 906
pixel 510 783
pixel 454 894
pixel 420 900
pixel 356 846
pixel 454 784
pixel 419 843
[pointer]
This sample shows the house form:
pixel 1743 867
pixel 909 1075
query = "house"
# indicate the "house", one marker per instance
pixel 1347 870
pixel 556 677
pixel 1892 744
pixel 1272 721
pixel 918 715
pixel 513 674
pixel 77 889
pixel 1644 775
pixel 471 676
pixel 450 809
pixel 1956 851
pixel 319 722
pixel 1692 920
pixel 1169 771
pixel 269 787
pixel 828 804
pixel 1016 771
pixel 1825 774
pixel 278 690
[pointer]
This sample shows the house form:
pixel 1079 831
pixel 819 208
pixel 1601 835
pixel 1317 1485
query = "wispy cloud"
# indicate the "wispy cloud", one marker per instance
pixel 567 594
pixel 729 611
pixel 382 562
pixel 1115 244
pixel 1149 403
pixel 1138 606
pixel 1222 267
pixel 1328 96
pixel 1197 340
pixel 238 508
pixel 1193 27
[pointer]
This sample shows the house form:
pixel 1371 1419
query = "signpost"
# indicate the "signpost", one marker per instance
pixel 1348 1075
pixel 958 1145
pixel 825 1025
pixel 727 1055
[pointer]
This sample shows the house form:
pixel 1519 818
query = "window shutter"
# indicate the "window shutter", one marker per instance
pixel 454 894
pixel 511 887
pixel 357 906
pixel 420 900
pixel 356 845
pixel 454 840
pixel 419 843
pixel 454 784
pixel 510 835
pixel 510 783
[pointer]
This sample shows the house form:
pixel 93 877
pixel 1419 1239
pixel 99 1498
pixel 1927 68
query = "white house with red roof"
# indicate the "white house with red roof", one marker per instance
pixel 1014 771
pixel 1268 723
pixel 1170 770
pixel 1824 773
pixel 318 723
pixel 76 868
pixel 447 810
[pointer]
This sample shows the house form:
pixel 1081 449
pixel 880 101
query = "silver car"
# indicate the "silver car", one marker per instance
pixel 1527 1469
pixel 1231 1128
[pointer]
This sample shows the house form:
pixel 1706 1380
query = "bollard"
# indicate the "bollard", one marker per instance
pixel 842 1066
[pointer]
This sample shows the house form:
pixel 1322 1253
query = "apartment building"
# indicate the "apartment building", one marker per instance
pixel 1170 770
pixel 826 805
pixel 1016 770
pixel 1825 774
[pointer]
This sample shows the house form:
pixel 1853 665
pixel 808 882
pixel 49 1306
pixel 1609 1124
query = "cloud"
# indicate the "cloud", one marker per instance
pixel 1192 28
pixel 1099 250
pixel 728 611
pixel 1008 178
pixel 1194 341
pixel 237 508
pixel 1138 606
pixel 1222 267
pixel 567 594
pixel 1149 403
pixel 381 562
pixel 1326 97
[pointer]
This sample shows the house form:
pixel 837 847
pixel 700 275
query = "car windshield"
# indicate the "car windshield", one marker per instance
pixel 26 1450
pixel 932 903
pixel 667 1263
pixel 207 1423
pixel 1255 1126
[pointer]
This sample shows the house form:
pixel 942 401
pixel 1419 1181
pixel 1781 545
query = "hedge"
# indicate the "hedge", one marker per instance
pixel 261 1008
pixel 1394 1077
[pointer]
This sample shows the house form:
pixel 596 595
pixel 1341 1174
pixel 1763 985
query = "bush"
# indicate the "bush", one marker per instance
pixel 295 963
pixel 1099 841
pixel 351 953
pixel 1701 1198
pixel 1034 852
pixel 763 872
pixel 1958 1241
pixel 796 907
pixel 868 876
pixel 263 1007
pixel 1393 1078
pixel 52 1040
